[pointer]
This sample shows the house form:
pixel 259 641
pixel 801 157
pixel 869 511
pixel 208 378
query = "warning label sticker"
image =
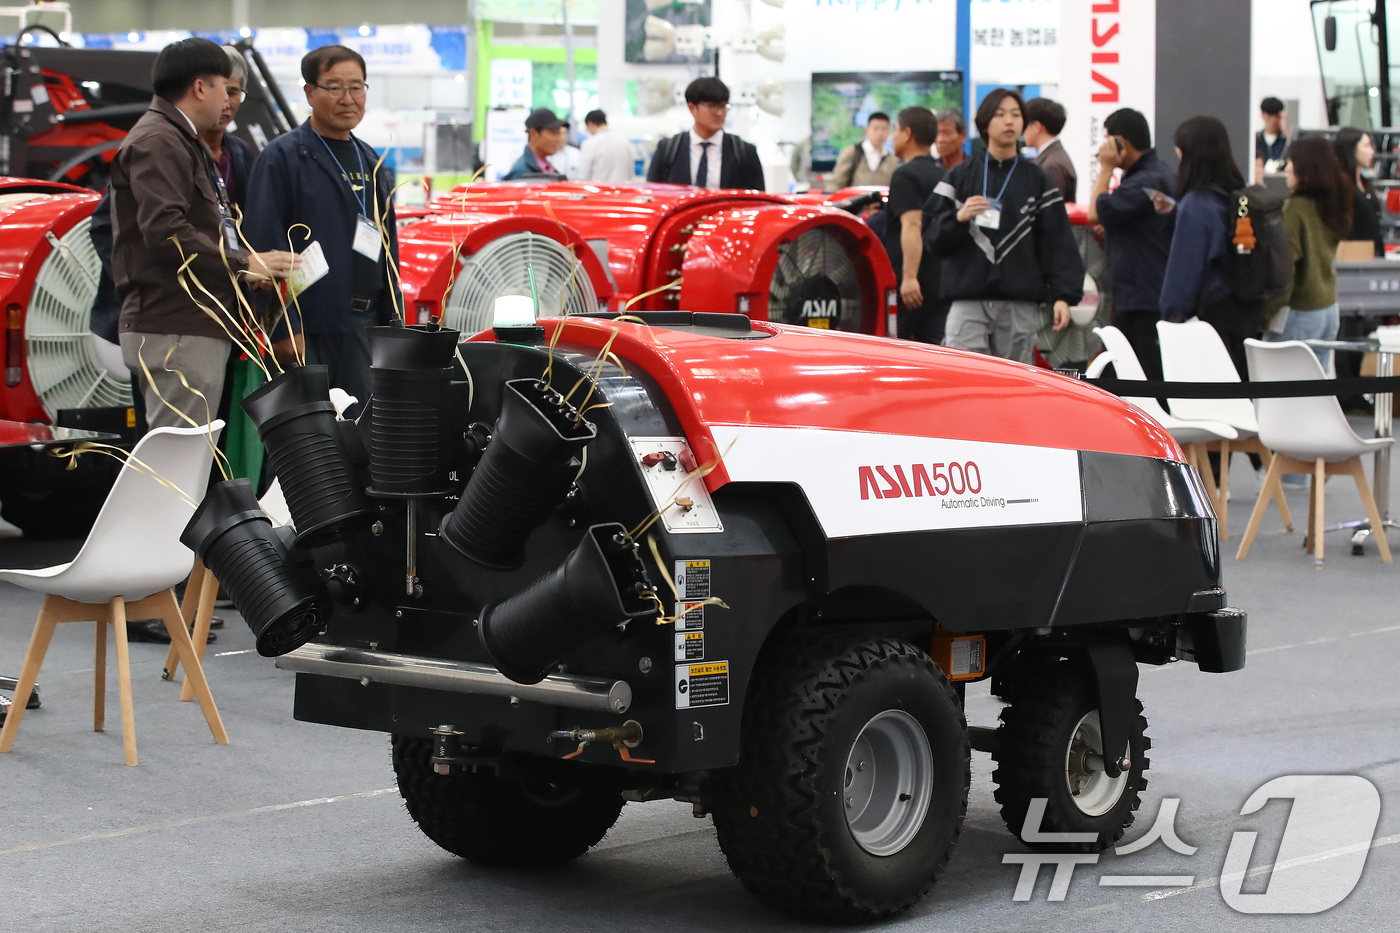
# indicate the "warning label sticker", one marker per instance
pixel 693 579
pixel 967 658
pixel 690 646
pixel 690 617
pixel 702 684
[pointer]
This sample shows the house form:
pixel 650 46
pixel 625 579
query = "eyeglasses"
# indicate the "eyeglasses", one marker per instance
pixel 716 108
pixel 235 93
pixel 357 91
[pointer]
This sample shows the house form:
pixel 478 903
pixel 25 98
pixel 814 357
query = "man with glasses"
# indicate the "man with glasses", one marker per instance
pixel 706 156
pixel 232 156
pixel 317 191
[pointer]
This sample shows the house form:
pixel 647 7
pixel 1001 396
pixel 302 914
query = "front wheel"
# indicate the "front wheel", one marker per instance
pixel 491 821
pixel 852 781
pixel 1050 746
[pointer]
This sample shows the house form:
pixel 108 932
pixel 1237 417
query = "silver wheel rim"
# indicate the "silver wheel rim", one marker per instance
pixel 889 782
pixel 1090 787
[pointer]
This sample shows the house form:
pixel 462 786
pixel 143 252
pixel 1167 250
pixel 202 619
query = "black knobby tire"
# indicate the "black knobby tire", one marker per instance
pixel 496 822
pixel 1035 747
pixel 781 814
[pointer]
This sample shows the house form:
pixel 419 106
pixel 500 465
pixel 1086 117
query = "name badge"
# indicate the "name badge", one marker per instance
pixel 367 241
pixel 991 217
pixel 231 236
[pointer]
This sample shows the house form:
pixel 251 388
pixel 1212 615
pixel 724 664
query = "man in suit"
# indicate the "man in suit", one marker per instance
pixel 707 156
pixel 1044 120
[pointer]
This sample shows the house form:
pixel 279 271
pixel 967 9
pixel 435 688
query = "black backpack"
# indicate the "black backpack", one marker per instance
pixel 1265 270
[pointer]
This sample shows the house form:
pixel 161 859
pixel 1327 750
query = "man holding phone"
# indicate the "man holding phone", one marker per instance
pixel 1137 236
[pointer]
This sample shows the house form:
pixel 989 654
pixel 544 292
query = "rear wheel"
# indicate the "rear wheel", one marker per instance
pixel 852 782
pixel 1050 745
pixel 497 822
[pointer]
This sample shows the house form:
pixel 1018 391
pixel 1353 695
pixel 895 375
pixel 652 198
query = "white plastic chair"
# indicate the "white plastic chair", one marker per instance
pixel 1194 352
pixel 1309 436
pixel 1193 436
pixel 128 565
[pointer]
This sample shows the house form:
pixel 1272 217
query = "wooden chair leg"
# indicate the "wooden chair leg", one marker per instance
pixel 99 678
pixel 1261 504
pixel 1309 539
pixel 194 588
pixel 1280 498
pixel 194 671
pixel 1196 456
pixel 1224 510
pixel 1373 514
pixel 29 672
pixel 203 618
pixel 1319 489
pixel 118 619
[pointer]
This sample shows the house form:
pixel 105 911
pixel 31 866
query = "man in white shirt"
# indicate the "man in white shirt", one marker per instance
pixel 1270 143
pixel 706 156
pixel 603 156
pixel 868 162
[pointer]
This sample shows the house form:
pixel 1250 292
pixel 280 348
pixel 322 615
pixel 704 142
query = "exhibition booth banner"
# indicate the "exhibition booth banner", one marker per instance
pixel 1108 60
pixel 386 49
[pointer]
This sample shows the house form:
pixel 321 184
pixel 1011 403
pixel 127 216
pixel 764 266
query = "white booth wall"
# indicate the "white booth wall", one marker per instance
pixel 821 35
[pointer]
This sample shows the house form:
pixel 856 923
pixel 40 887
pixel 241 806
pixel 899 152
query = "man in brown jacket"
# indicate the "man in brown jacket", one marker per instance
pixel 168 200
pixel 1045 119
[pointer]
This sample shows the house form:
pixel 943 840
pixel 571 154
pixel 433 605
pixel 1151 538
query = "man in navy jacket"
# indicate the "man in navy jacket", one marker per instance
pixel 321 176
pixel 1136 237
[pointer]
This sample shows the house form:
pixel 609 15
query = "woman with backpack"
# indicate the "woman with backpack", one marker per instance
pixel 1198 277
pixel 1316 216
pixel 1356 154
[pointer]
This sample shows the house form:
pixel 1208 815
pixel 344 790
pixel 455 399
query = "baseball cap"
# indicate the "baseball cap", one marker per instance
pixel 543 119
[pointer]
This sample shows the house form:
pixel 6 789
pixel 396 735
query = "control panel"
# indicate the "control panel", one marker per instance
pixel 677 489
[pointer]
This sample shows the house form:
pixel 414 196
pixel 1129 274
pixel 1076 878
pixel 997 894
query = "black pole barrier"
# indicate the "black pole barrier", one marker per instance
pixel 1297 389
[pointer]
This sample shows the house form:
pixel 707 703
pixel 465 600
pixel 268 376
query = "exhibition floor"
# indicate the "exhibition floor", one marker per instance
pixel 298 827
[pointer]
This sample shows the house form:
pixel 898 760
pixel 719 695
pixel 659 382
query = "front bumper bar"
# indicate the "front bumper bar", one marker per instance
pixel 595 694
pixel 1215 640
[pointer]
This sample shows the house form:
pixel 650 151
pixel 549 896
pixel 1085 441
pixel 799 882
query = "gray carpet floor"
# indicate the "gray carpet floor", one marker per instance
pixel 298 827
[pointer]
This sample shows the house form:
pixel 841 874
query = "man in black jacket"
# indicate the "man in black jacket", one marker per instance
pixel 1137 239
pixel 1001 229
pixel 706 156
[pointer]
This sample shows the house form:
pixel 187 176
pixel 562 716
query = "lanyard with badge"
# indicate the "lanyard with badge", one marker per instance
pixel 367 242
pixel 991 217
pixel 226 221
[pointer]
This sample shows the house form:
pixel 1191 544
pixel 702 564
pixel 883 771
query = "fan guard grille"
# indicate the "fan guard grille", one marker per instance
pixel 502 266
pixel 814 271
pixel 64 367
